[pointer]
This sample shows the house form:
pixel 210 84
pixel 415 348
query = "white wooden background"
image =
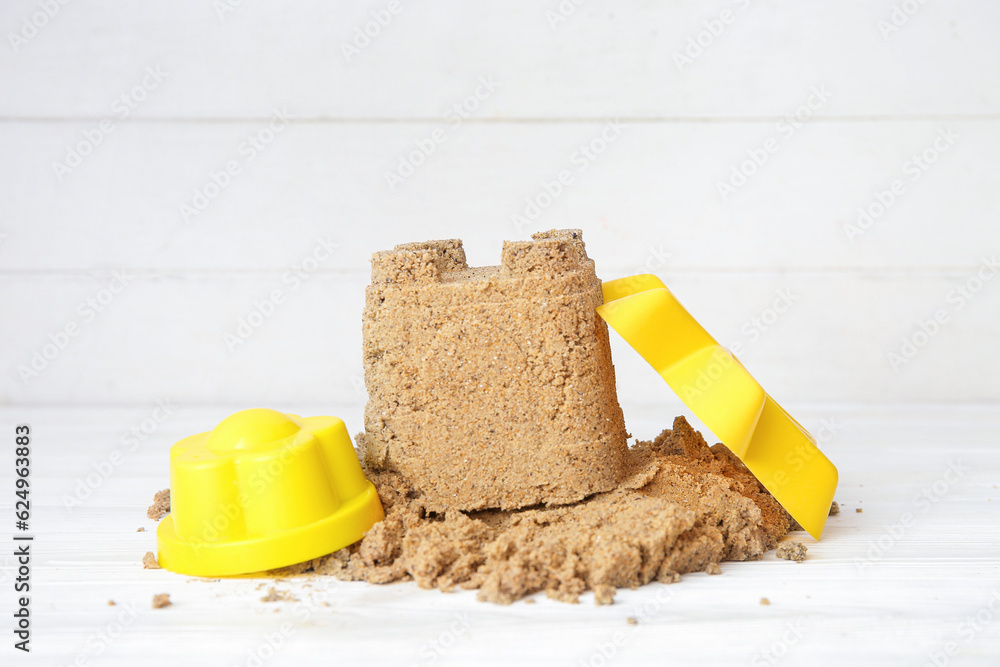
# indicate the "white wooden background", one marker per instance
pixel 653 192
pixel 650 202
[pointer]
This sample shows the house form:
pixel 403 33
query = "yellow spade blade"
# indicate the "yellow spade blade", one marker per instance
pixel 724 396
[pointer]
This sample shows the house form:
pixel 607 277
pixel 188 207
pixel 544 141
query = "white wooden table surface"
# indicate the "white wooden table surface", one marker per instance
pixel 867 594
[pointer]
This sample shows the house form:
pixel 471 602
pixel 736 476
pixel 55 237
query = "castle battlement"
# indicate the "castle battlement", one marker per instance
pixel 553 251
pixel 418 262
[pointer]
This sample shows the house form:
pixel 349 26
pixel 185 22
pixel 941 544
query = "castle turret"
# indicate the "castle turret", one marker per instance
pixel 418 262
pixel 491 386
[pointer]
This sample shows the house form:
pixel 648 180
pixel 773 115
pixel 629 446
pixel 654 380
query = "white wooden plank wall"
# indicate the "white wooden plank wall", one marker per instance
pixel 650 200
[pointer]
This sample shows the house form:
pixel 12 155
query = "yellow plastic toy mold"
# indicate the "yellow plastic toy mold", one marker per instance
pixel 724 396
pixel 264 490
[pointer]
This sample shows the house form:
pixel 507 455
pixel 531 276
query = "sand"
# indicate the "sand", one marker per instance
pixel 161 505
pixel 491 387
pixel 274 595
pixel 792 550
pixel 681 508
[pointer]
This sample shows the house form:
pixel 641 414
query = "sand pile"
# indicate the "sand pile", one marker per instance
pixel 682 507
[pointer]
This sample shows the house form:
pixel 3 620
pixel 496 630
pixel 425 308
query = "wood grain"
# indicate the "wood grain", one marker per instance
pixel 895 605
pixel 608 59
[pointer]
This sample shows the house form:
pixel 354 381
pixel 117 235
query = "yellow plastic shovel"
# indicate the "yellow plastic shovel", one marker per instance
pixel 724 396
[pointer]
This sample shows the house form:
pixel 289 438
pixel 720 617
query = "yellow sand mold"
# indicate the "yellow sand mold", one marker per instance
pixel 264 490
pixel 727 399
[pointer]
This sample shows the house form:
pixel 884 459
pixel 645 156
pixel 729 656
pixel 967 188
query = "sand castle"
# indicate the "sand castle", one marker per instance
pixel 491 387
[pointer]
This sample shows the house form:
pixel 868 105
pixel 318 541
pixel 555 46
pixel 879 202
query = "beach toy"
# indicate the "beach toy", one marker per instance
pixel 724 396
pixel 263 490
